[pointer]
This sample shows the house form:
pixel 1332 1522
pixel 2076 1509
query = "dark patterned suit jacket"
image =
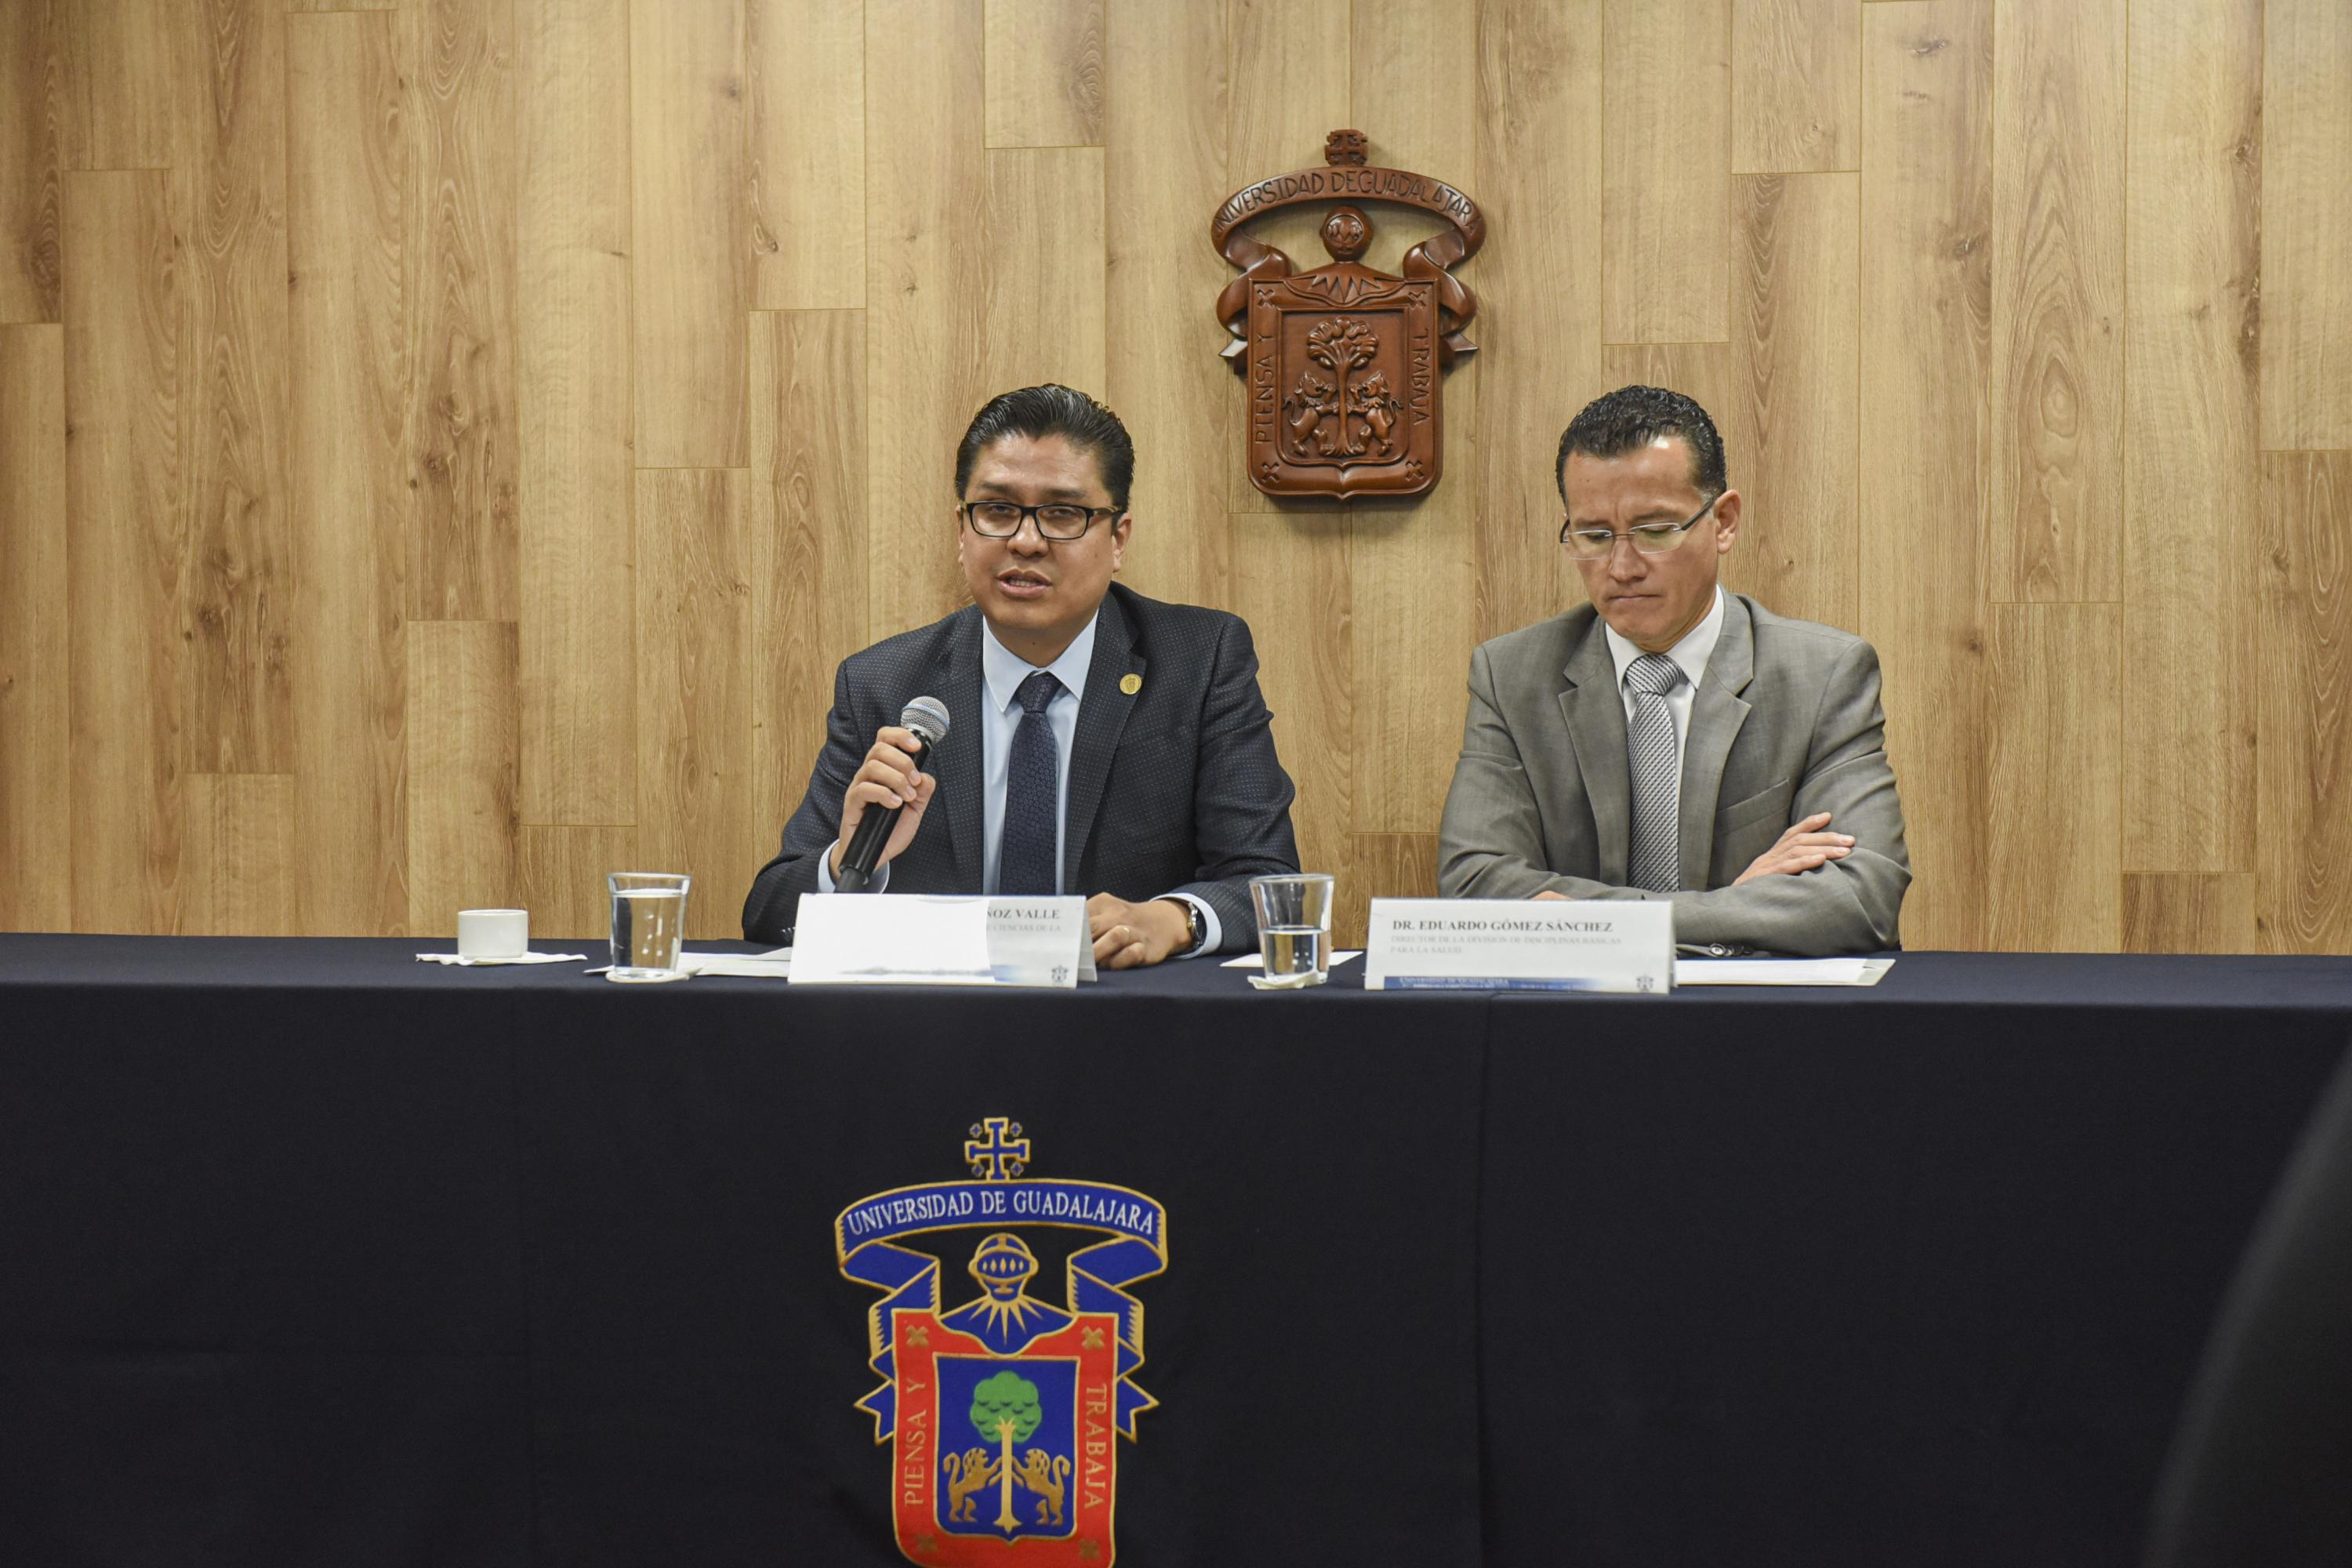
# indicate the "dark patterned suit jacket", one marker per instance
pixel 1173 789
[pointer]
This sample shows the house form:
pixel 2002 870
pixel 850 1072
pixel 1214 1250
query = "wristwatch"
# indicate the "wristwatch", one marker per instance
pixel 1196 928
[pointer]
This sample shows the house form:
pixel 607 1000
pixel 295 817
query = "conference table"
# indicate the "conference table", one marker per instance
pixel 312 1253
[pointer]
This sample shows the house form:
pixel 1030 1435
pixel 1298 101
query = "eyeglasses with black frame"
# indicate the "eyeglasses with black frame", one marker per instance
pixel 1003 518
pixel 1649 538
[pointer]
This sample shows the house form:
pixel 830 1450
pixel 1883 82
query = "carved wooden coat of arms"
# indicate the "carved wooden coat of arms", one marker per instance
pixel 1345 364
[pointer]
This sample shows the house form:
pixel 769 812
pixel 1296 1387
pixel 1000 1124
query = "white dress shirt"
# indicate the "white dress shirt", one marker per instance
pixel 1002 671
pixel 1698 646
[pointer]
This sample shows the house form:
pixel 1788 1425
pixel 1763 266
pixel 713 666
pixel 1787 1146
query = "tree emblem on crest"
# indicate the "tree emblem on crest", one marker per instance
pixel 1345 363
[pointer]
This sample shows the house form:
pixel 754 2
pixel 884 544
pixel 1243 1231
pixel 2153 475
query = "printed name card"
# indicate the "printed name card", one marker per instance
pixel 1492 944
pixel 914 939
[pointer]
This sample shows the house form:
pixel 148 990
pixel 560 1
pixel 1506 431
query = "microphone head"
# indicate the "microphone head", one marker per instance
pixel 927 718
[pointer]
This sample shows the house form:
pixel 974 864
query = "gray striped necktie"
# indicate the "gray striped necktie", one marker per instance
pixel 1653 759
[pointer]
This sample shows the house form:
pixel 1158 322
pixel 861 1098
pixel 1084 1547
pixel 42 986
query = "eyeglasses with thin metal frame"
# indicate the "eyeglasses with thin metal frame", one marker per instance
pixel 1003 518
pixel 1649 538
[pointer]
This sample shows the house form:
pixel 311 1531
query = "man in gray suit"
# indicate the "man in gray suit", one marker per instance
pixel 1098 741
pixel 1671 741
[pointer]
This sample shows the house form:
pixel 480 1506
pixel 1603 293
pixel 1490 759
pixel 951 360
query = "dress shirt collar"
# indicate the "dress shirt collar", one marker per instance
pixel 1005 671
pixel 1692 653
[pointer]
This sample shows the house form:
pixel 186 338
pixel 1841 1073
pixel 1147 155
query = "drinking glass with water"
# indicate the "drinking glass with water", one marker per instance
pixel 1293 929
pixel 648 924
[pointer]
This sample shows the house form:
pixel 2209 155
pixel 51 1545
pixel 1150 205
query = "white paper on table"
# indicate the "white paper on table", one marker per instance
pixel 775 964
pixel 1479 944
pixel 464 962
pixel 906 938
pixel 1258 960
pixel 1781 971
pixel 890 939
pixel 1040 941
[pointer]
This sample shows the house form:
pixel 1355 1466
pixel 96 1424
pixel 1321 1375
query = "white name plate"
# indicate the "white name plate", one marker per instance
pixel 1493 944
pixel 915 938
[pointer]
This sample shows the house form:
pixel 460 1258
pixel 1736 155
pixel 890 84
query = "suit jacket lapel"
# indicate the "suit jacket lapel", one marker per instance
pixel 1717 710
pixel 960 764
pixel 1103 710
pixel 1596 731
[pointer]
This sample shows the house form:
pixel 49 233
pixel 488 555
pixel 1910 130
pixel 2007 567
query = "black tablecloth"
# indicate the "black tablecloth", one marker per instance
pixel 312 1253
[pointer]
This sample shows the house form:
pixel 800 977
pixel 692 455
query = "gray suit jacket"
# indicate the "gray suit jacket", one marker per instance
pixel 1785 723
pixel 1173 787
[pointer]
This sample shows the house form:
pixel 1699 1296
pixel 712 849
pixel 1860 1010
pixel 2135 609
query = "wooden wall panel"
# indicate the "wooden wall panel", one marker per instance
pixel 1044 66
pixel 1926 214
pixel 1538 172
pixel 1043 307
pixel 1291 585
pixel 1792 426
pixel 1666 157
pixel 229 196
pixel 356 382
pixel 694 682
pixel 808 561
pixel 239 865
pixel 926 198
pixel 1290 89
pixel 346 233
pixel 126 64
pixel 2053 883
pixel 561 874
pixel 2189 911
pixel 32 132
pixel 573 389
pixel 1164 170
pixel 1291 69
pixel 692 243
pixel 125 276
pixel 2052 532
pixel 35 722
pixel 2304 637
pixel 2306 231
pixel 1387 865
pixel 461 771
pixel 2189 435
pixel 1795 76
pixel 1410 564
pixel 806 61
pixel 465 459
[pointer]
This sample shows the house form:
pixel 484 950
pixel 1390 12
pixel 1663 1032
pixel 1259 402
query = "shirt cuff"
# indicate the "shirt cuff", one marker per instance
pixel 1213 934
pixel 880 883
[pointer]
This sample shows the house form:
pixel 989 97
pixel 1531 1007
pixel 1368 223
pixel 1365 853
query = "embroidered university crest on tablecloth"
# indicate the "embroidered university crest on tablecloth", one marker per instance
pixel 1005 1410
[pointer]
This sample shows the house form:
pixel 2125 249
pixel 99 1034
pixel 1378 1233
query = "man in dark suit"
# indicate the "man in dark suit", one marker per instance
pixel 1097 741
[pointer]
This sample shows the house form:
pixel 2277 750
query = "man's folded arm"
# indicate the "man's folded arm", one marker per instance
pixel 1843 906
pixel 772 907
pixel 1241 795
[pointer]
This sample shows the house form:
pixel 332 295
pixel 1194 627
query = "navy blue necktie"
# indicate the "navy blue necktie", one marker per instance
pixel 1030 806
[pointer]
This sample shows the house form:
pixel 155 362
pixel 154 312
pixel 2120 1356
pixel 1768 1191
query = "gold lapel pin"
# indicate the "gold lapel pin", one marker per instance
pixel 1130 684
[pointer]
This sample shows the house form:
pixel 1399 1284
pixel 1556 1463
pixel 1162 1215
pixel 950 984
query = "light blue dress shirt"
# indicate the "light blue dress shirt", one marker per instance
pixel 1002 671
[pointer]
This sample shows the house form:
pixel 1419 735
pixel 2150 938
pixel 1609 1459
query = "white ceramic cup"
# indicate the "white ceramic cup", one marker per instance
pixel 493 933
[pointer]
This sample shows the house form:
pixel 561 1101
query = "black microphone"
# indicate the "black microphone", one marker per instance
pixel 927 718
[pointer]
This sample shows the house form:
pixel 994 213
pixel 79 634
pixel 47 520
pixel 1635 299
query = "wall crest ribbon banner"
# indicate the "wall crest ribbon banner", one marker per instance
pixel 1003 1410
pixel 1344 364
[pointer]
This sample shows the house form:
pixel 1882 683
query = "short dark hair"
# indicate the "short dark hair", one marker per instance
pixel 1615 422
pixel 1052 409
